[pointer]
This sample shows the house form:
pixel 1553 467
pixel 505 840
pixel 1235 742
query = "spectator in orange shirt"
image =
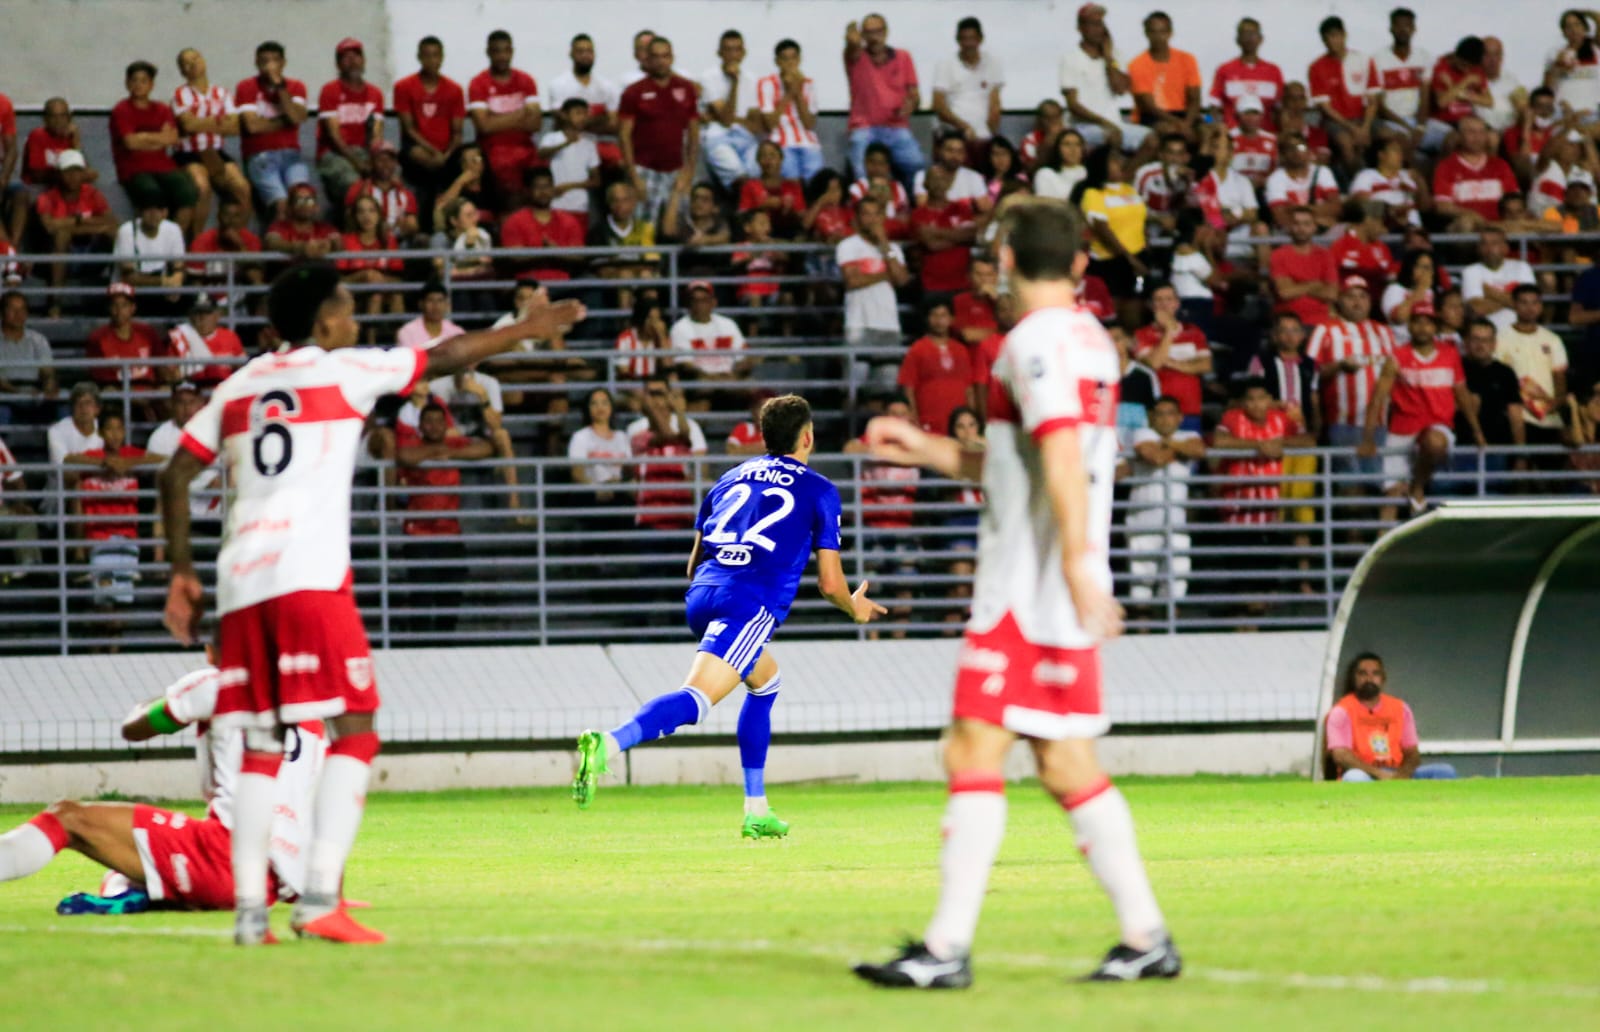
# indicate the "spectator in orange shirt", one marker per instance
pixel 433 532
pixel 1372 736
pixel 1166 82
pixel 937 372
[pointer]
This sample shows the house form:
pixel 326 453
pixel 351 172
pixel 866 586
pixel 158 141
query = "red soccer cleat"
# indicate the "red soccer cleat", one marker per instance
pixel 338 926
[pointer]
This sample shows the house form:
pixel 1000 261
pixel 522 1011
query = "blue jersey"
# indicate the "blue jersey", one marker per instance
pixel 759 525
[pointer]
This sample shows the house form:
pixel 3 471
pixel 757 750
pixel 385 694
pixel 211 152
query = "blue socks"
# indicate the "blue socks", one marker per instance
pixel 755 735
pixel 663 715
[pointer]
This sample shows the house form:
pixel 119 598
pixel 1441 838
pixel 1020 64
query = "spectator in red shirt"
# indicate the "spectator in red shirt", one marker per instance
pixel 937 372
pixel 1344 88
pixel 828 217
pixel 783 200
pixel 974 311
pixel 1422 387
pixel 1177 351
pixel 657 129
pixel 1259 426
pixel 368 232
pixel 76 216
pixel 431 108
pixel 1361 249
pixel 946 230
pixel 127 340
pixel 303 233
pixel 204 337
pixel 40 156
pixel 433 532
pixel 541 225
pixel 883 95
pixel 1468 184
pixel 1247 76
pixel 8 142
pixel 398 204
pixel 1304 277
pixel 109 504
pixel 664 431
pixel 228 237
pixel 271 108
pixel 349 120
pixel 503 103
pixel 1295 116
pixel 143 132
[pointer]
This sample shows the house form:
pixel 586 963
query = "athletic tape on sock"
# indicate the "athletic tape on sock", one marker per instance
pixel 50 824
pixel 1084 795
pixel 977 781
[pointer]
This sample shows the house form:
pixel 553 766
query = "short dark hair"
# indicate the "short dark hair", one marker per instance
pixel 1045 237
pixel 654 39
pixel 1350 671
pixel 784 44
pixel 297 296
pixel 955 416
pixel 1482 321
pixel 1153 15
pixel 1289 317
pixel 430 288
pixel 575 103
pixel 643 32
pixel 1332 23
pixel 271 46
pixel 729 34
pixel 1470 50
pixel 1249 384
pixel 878 148
pixel 5 299
pixel 433 406
pixel 1542 91
pixel 111 414
pixel 782 418
pixel 936 302
pixel 538 172
pixel 430 41
pixel 1402 12
pixel 1523 289
pixel 139 66
pixel 582 37
pixel 1302 208
pixel 498 36
pixel 1166 399
pixel 969 22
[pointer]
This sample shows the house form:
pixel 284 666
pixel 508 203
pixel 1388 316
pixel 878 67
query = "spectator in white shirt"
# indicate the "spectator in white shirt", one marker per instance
pixel 788 105
pixel 477 405
pixel 1062 167
pixel 574 158
pixel 75 434
pixel 965 183
pixel 205 502
pixel 872 267
pixel 599 93
pixel 432 323
pixel 1163 454
pixel 966 90
pixel 1487 284
pixel 1405 73
pixel 713 338
pixel 1505 89
pixel 729 110
pixel 598 452
pixel 1096 86
pixel 150 248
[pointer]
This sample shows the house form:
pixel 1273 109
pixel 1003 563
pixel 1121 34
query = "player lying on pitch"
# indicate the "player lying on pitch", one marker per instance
pixel 162 857
pixel 755 533
pixel 1041 605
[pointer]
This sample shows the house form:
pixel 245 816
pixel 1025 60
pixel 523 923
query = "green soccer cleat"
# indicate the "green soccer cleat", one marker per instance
pixel 764 827
pixel 591 766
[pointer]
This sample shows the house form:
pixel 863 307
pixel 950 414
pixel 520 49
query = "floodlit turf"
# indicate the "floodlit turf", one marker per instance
pixel 1419 905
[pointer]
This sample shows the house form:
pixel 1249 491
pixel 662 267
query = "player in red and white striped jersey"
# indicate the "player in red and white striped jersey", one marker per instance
pixel 646 333
pixel 165 857
pixel 293 648
pixel 1257 424
pixel 787 100
pixel 1423 385
pixel 1042 604
pixel 206 116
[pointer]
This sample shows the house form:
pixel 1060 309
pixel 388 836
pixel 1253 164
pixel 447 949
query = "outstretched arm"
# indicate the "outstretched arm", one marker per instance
pixel 905 444
pixel 543 321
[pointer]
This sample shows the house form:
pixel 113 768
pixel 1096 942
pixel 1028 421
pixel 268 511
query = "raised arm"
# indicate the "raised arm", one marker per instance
pixel 543 321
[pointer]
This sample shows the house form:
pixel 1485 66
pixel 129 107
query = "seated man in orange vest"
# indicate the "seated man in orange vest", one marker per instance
pixel 1372 736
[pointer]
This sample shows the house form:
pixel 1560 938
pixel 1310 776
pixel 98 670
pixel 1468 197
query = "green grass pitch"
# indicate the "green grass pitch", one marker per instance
pixel 1472 905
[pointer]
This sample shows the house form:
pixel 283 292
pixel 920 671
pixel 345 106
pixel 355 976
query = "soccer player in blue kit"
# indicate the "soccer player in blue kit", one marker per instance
pixel 755 533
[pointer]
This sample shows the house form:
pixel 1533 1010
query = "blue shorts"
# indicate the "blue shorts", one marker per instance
pixel 732 626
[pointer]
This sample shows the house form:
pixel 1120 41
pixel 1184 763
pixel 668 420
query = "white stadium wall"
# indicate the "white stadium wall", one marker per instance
pixel 78 48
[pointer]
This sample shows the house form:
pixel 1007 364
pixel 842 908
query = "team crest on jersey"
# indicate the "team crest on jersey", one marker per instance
pixel 733 555
pixel 359 670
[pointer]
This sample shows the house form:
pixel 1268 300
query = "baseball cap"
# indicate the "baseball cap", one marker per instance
pixel 700 284
pixel 349 43
pixel 1580 177
pixel 382 146
pixel 1249 102
pixel 120 290
pixel 185 385
pixel 71 159
pixel 203 303
pixel 1355 283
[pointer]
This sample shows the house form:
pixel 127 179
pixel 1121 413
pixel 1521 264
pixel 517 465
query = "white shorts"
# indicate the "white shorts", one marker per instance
pixel 1397 465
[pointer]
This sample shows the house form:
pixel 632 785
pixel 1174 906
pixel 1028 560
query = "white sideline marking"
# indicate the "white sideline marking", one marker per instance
pixel 1436 985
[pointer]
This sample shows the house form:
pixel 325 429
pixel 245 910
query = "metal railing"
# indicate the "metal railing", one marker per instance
pixel 571 561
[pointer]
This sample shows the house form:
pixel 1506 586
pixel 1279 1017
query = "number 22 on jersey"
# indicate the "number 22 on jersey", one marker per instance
pixel 734 544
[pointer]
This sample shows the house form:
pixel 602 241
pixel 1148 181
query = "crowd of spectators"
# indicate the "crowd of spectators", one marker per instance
pixel 1354 333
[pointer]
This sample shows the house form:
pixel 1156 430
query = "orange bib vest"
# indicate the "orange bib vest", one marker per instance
pixel 1375 734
